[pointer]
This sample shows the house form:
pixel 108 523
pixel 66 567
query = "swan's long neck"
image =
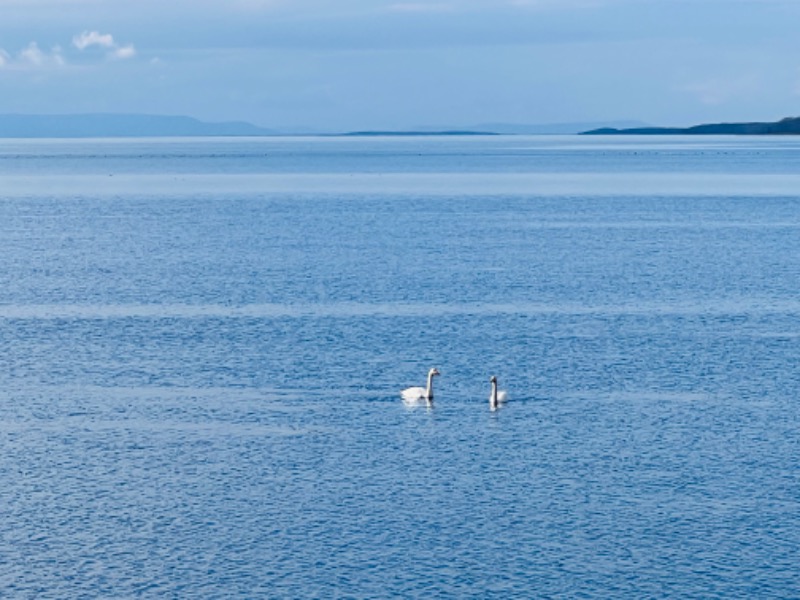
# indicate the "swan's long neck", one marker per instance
pixel 429 391
pixel 493 396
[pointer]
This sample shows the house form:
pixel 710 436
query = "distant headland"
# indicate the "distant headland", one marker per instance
pixel 787 126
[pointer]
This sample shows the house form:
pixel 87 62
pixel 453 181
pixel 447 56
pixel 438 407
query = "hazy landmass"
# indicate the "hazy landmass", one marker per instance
pixel 787 126
pixel 119 125
pixel 138 125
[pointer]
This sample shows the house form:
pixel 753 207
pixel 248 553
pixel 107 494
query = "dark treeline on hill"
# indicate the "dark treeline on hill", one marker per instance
pixel 787 126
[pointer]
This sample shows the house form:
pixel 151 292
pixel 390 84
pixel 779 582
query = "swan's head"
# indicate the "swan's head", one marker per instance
pixel 493 379
pixel 433 372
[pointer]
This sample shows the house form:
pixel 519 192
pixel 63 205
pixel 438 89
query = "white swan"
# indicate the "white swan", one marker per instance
pixel 415 394
pixel 496 397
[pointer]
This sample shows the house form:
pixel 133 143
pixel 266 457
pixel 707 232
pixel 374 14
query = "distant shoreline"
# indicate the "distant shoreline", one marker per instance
pixel 99 125
pixel 138 125
pixel 112 125
pixel 787 126
pixel 411 133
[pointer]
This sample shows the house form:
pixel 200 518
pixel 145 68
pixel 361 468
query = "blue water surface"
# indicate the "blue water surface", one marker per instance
pixel 203 343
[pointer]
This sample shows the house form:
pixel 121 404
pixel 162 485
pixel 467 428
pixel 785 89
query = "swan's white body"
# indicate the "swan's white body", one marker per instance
pixel 417 394
pixel 496 398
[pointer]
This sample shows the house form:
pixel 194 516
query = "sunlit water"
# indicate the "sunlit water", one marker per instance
pixel 203 344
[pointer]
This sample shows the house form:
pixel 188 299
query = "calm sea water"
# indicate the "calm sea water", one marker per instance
pixel 203 343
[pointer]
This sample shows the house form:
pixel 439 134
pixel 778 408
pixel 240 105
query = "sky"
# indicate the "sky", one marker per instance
pixel 336 65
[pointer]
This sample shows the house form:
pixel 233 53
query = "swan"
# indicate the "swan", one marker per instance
pixel 415 394
pixel 496 398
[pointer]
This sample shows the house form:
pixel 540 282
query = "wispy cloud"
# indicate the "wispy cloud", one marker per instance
pixel 31 57
pixel 557 4
pixel 93 38
pixel 421 7
pixel 490 6
pixel 475 5
pixel 87 39
pixel 124 52
pixel 258 4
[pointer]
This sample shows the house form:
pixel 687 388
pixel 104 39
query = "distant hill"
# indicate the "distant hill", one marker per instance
pixel 119 125
pixel 787 126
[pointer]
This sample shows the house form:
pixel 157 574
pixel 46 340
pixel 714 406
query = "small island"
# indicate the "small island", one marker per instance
pixel 787 126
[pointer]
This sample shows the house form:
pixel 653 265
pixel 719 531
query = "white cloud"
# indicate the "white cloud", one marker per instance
pixel 31 57
pixel 259 4
pixel 479 5
pixel 123 52
pixel 93 38
pixel 557 4
pixel 88 39
pixel 420 7
pixel 57 57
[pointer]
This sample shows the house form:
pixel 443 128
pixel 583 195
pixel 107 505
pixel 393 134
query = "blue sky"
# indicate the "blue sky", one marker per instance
pixel 388 64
